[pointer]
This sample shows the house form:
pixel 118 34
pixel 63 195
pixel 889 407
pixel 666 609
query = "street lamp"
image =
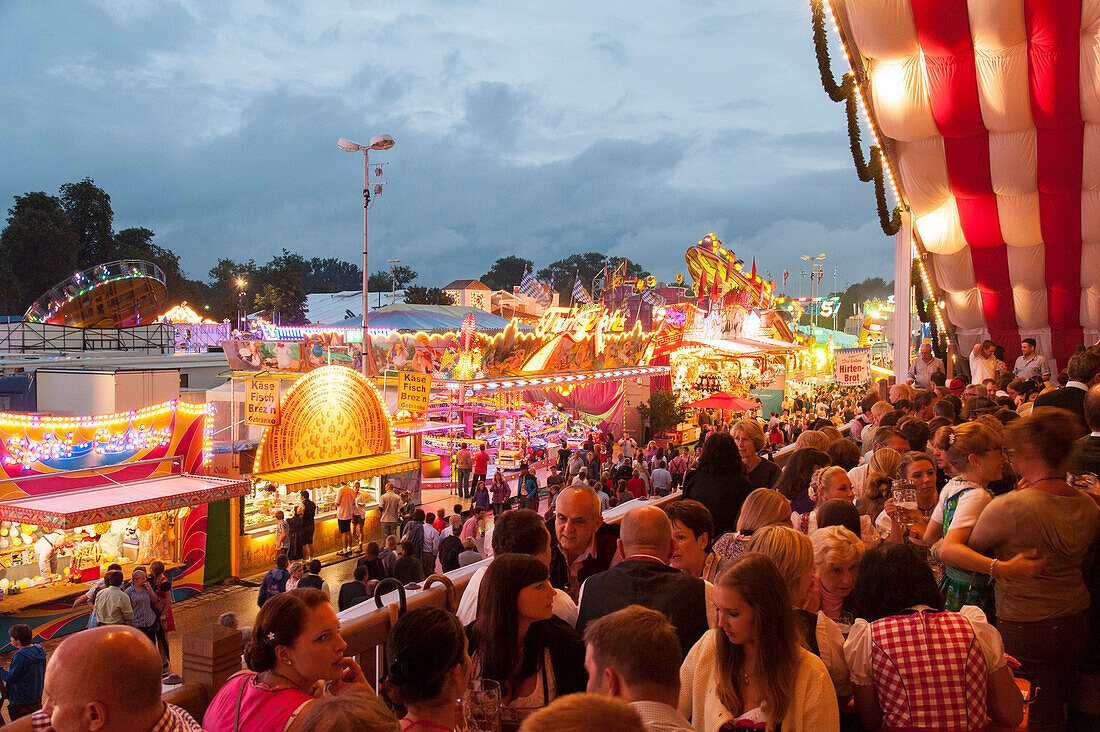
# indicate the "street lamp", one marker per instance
pixel 815 271
pixel 241 284
pixel 378 142
pixel 393 286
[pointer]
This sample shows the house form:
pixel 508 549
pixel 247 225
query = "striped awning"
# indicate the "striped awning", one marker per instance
pixel 87 506
pixel 340 471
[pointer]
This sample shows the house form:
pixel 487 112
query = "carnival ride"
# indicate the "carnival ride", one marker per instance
pixel 116 294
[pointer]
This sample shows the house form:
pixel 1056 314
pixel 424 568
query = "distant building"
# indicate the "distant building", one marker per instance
pixel 469 294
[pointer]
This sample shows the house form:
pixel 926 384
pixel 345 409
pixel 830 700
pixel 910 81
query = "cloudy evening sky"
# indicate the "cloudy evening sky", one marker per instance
pixel 631 127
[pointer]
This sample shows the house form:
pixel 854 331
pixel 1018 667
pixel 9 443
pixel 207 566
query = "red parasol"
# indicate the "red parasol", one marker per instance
pixel 726 402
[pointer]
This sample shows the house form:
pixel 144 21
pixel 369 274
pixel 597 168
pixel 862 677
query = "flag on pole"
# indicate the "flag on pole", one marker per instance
pixel 532 288
pixel 754 268
pixel 579 293
pixel 786 274
pixel 652 298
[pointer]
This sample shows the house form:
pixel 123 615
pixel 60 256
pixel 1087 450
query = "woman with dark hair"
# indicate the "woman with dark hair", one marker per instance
pixel 428 668
pixel 1044 618
pixel 373 562
pixel 751 671
pixel 839 512
pixel 915 665
pixel 796 477
pixel 518 642
pixel 295 643
pixel 294 529
pixel 718 481
pixel 449 549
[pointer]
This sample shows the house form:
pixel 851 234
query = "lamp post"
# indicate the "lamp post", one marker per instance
pixel 378 142
pixel 815 271
pixel 393 285
pixel 241 284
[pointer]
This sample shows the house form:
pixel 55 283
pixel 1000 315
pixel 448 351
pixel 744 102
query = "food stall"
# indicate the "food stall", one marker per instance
pixel 126 488
pixel 332 429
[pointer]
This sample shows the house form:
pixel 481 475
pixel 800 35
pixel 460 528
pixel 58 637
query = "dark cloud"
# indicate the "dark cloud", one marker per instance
pixel 219 133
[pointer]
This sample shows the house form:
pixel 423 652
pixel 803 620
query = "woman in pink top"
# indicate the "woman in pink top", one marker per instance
pixel 295 647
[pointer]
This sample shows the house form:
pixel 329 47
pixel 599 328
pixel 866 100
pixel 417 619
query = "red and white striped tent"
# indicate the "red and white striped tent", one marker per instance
pixel 989 113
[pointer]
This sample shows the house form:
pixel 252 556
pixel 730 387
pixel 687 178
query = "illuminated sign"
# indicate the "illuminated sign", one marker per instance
pixel 261 402
pixel 414 391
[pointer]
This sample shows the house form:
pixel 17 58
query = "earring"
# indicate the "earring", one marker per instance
pixel 288 663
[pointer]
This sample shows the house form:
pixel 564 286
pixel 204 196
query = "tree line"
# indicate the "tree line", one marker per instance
pixel 48 238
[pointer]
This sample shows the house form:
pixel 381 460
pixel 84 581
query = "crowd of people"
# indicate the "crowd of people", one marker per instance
pixel 919 563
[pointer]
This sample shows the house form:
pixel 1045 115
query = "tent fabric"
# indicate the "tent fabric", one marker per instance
pixel 428 318
pixel 992 113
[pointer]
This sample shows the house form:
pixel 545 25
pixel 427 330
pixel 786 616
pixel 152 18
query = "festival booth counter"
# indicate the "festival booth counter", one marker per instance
pixel 79 493
pixel 331 429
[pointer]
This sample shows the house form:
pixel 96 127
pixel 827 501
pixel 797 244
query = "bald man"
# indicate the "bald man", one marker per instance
pixel 108 678
pixel 645 578
pixel 582 544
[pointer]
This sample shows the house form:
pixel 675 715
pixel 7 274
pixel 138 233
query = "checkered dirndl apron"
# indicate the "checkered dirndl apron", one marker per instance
pixel 929 672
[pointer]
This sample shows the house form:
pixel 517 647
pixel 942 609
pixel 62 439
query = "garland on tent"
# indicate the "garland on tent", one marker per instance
pixel 846 91
pixel 925 316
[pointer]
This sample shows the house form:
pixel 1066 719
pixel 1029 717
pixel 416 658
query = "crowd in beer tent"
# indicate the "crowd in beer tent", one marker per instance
pixel 804 597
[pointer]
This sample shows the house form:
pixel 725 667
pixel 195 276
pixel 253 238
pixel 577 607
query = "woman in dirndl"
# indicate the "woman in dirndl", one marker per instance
pixel 915 665
pixel 974 451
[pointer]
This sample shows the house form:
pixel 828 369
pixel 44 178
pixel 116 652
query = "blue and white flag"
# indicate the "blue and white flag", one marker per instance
pixel 579 293
pixel 532 288
pixel 652 298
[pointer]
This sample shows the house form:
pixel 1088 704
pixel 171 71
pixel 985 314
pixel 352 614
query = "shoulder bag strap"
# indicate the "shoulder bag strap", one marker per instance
pixel 237 713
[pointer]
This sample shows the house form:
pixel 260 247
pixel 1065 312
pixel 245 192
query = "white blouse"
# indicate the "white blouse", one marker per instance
pixel 857 649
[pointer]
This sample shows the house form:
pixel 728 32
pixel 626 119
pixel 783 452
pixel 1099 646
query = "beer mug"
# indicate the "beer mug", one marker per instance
pixel 905 502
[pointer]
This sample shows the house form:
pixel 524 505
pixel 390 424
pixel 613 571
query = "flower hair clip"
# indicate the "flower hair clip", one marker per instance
pixel 271 637
pixel 951 439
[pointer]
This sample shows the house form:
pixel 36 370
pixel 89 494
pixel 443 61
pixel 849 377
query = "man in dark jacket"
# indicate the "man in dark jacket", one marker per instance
pixel 644 578
pixel 582 544
pixel 25 674
pixel 354 592
pixel 1084 373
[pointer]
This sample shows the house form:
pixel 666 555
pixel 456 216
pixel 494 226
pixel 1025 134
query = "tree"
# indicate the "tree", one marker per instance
pixel 38 248
pixel 332 275
pixel 137 243
pixel 589 264
pixel 663 410
pixel 506 272
pixel 224 294
pixel 858 293
pixel 282 295
pixel 421 295
pixel 89 210
pixel 397 279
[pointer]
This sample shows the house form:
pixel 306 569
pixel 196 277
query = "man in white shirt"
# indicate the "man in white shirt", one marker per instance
pixel 661 479
pixel 634 654
pixel 1030 363
pixel 923 366
pixel 983 364
pixel 517 532
pixel 628 445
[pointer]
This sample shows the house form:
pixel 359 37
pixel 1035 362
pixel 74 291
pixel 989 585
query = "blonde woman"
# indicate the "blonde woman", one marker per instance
pixel 752 671
pixel 829 484
pixel 793 555
pixel 837 552
pixel 974 452
pixel 763 507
